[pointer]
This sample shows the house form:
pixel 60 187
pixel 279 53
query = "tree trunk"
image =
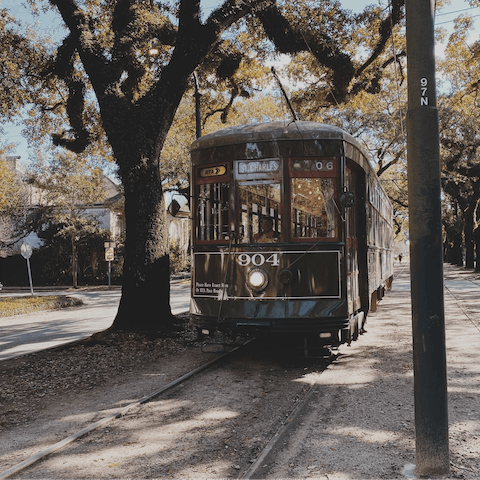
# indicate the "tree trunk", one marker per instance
pixel 137 138
pixel 469 252
pixel 145 301
pixel 477 253
pixel 74 264
pixel 468 231
pixel 456 254
pixel 447 251
pixel 476 235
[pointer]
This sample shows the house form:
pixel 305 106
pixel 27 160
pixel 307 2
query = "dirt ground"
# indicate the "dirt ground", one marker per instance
pixel 358 424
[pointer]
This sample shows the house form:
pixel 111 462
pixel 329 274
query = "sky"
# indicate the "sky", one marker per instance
pixel 53 25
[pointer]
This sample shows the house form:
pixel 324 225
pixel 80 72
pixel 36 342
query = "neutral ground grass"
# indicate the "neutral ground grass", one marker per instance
pixel 19 305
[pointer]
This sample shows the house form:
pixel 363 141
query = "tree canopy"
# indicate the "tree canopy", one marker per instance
pixel 21 55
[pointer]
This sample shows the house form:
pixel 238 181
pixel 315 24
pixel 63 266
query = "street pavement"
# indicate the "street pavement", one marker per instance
pixel 24 334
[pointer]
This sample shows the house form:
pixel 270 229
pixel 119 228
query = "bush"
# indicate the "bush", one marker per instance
pixel 180 260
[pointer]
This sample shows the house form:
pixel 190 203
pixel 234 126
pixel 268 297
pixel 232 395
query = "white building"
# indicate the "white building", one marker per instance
pixel 109 213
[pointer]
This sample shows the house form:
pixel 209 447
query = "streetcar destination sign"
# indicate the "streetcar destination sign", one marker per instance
pixel 261 166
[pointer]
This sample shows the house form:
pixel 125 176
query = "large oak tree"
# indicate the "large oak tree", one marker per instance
pixel 105 53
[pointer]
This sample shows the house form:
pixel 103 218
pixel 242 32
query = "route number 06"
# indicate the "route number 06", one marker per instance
pixel 320 165
pixel 258 259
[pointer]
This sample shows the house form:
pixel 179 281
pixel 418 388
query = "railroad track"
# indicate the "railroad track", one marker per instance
pixel 104 421
pixel 271 430
pixel 255 469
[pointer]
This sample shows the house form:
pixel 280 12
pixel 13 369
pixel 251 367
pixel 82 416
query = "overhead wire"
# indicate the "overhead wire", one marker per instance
pixel 451 21
pixel 455 11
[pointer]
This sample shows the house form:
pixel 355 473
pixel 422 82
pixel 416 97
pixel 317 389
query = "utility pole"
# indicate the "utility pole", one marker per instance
pixel 426 266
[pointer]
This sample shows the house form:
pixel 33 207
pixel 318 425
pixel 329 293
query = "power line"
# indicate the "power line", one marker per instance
pixel 451 21
pixel 455 11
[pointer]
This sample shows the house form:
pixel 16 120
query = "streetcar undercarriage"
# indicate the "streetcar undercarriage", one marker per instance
pixel 331 332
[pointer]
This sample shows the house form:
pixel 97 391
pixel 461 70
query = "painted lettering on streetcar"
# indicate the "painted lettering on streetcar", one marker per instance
pixel 258 259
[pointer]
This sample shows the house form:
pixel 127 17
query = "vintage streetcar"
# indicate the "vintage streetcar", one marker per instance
pixel 292 232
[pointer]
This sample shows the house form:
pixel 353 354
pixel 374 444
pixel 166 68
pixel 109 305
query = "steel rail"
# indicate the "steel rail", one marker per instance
pixel 38 456
pixel 251 472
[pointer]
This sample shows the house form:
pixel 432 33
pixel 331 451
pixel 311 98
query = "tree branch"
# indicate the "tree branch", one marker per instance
pixel 288 39
pixel 385 31
pixel 99 69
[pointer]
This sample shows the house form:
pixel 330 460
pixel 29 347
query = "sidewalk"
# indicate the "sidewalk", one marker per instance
pixel 28 333
pixel 361 422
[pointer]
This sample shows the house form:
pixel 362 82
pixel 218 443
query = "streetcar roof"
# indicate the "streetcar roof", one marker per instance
pixel 274 132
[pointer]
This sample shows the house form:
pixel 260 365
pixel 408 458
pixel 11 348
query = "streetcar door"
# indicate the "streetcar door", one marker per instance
pixel 351 242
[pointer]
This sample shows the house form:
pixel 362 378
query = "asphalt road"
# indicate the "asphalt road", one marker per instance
pixel 24 334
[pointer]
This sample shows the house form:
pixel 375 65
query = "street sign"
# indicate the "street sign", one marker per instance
pixel 109 254
pixel 26 250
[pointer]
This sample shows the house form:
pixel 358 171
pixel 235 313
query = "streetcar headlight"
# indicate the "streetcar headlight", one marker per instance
pixel 257 279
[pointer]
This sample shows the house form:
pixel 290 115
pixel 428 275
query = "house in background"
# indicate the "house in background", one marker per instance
pixel 110 213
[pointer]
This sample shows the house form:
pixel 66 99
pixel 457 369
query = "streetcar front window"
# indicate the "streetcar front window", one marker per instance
pixel 313 210
pixel 312 195
pixel 260 213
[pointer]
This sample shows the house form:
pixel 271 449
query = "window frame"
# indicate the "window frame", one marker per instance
pixel 292 174
pixel 258 178
pixel 206 180
pixel 259 181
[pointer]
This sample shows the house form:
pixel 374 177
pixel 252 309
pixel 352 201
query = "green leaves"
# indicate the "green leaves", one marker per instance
pixel 12 191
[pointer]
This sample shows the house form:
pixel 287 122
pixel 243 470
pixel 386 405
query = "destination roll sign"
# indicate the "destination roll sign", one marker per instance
pixel 259 166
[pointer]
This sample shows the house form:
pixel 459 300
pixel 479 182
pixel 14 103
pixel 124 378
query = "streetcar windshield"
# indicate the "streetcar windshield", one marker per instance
pixel 260 214
pixel 312 195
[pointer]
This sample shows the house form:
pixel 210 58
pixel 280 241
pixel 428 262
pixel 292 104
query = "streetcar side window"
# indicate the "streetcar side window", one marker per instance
pixel 260 212
pixel 213 204
pixel 312 195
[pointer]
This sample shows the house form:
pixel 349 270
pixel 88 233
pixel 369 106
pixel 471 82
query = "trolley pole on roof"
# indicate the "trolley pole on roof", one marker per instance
pixel 426 267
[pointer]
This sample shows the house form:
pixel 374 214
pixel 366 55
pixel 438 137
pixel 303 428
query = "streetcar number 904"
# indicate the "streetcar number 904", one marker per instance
pixel 257 259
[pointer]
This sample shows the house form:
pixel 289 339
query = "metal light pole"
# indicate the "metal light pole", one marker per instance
pixel 424 191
